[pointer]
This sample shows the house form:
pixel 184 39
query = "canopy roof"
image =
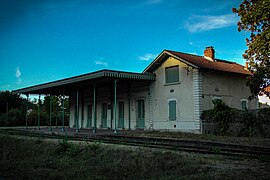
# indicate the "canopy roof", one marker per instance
pixel 70 84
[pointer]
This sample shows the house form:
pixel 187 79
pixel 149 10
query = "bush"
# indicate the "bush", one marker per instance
pixel 222 115
pixel 235 122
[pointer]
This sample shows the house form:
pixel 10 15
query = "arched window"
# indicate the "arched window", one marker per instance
pixel 244 104
pixel 172 110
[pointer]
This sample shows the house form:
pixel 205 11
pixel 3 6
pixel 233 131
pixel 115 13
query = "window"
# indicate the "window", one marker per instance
pixel 244 104
pixel 172 74
pixel 172 110
pixel 216 100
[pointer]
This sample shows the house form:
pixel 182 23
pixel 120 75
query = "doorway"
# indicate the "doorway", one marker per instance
pixel 104 115
pixel 140 114
pixel 121 115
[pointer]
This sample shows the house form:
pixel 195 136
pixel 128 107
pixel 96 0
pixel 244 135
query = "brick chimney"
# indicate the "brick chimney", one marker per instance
pixel 209 53
pixel 246 67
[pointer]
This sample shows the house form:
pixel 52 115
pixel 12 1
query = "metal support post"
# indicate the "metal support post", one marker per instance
pixel 63 112
pixel 39 112
pixel 129 107
pixel 26 117
pixel 115 121
pixel 94 109
pixel 50 128
pixel 77 111
pixel 56 120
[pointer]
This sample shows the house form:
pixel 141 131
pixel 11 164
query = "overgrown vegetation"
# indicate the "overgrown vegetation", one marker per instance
pixel 233 122
pixel 13 110
pixel 38 159
pixel 254 19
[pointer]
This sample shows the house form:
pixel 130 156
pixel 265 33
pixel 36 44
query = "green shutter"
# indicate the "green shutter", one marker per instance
pixel 121 115
pixel 172 110
pixel 244 105
pixel 140 118
pixel 75 116
pixel 172 74
pixel 104 115
pixel 89 116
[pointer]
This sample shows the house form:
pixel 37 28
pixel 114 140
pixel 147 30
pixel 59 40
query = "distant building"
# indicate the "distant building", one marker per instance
pixel 170 94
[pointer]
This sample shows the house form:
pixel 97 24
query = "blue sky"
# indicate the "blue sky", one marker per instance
pixel 47 40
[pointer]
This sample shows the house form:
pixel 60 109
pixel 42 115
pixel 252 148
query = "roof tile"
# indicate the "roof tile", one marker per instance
pixel 218 65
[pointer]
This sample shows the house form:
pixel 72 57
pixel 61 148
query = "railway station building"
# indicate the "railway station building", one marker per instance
pixel 170 94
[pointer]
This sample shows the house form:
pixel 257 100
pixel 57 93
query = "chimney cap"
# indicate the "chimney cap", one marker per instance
pixel 209 47
pixel 209 53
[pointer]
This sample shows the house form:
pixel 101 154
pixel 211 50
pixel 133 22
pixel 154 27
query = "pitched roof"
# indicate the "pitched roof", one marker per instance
pixel 199 62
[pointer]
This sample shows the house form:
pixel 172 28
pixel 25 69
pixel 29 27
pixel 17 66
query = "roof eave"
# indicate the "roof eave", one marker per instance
pixel 165 54
pixel 86 77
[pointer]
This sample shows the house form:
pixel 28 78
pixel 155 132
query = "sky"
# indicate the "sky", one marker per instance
pixel 47 40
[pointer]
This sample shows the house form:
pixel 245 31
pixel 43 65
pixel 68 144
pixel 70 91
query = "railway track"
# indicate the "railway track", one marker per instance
pixel 207 147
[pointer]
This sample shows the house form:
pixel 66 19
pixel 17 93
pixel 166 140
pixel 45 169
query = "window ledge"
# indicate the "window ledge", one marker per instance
pixel 175 83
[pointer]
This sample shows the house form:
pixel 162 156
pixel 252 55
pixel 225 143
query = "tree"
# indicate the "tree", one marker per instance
pixel 9 100
pixel 254 17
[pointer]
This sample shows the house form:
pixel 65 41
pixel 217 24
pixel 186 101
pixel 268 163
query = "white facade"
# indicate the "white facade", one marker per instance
pixel 191 94
pixel 105 95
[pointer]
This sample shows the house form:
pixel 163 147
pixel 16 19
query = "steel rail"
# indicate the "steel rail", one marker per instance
pixel 206 147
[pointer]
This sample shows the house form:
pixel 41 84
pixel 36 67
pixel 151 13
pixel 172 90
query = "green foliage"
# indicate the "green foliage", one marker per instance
pixel 95 146
pixel 222 115
pixel 9 100
pixel 254 17
pixel 66 148
pixel 13 110
pixel 233 122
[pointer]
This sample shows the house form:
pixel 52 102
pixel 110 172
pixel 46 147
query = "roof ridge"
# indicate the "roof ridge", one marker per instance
pixel 216 60
pixel 183 53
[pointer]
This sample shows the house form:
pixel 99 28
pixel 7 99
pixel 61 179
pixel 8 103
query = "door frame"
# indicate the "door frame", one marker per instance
pixel 137 113
pixel 104 121
pixel 123 118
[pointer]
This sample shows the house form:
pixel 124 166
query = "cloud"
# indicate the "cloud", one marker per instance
pixel 102 63
pixel 5 86
pixel 18 75
pixel 147 57
pixel 205 23
pixel 194 53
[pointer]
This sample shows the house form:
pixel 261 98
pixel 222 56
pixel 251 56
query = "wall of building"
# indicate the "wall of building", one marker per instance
pixel 182 92
pixel 105 94
pixel 230 88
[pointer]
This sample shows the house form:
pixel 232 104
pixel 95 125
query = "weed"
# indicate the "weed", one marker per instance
pixel 63 145
pixel 94 147
pixel 25 159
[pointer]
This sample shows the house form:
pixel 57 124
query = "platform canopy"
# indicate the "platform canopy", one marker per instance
pixel 83 81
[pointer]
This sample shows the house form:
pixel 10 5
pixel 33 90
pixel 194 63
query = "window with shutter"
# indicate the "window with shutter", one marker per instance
pixel 244 104
pixel 172 74
pixel 172 110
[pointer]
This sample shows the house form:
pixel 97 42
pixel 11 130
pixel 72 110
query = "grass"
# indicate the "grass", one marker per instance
pixel 37 158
